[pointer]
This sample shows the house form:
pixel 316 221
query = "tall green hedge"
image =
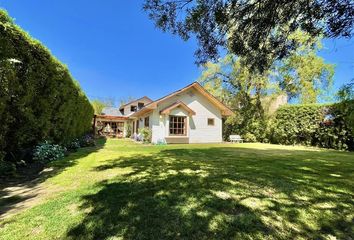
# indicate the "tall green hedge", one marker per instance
pixel 39 99
pixel 329 125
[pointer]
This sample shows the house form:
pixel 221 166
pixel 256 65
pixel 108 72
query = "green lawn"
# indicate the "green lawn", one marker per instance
pixel 122 190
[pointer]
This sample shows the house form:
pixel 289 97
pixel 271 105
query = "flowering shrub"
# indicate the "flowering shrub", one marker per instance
pixel 47 152
pixel 87 141
pixel 146 134
pixel 74 145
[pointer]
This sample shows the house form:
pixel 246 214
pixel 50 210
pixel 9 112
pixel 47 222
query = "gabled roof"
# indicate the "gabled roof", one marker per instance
pixel 111 111
pixel 108 117
pixel 136 100
pixel 177 104
pixel 226 111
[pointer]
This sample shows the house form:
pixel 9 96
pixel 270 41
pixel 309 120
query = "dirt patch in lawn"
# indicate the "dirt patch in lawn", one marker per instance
pixel 17 196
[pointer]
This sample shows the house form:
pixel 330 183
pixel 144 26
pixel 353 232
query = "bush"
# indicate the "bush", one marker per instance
pixel 74 145
pixel 146 134
pixel 246 122
pixel 128 131
pixel 325 125
pixel 7 169
pixel 249 137
pixel 47 152
pixel 39 99
pixel 87 140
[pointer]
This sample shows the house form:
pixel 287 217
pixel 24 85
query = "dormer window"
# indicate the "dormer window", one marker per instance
pixel 133 108
pixel 140 105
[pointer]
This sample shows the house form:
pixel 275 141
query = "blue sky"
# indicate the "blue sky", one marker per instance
pixel 114 50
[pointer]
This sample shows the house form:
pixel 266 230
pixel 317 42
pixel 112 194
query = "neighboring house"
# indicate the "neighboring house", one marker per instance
pixel 189 115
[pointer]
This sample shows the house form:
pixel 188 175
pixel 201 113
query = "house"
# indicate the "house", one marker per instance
pixel 188 115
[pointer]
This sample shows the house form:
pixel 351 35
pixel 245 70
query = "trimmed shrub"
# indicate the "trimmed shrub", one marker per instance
pixel 325 125
pixel 47 152
pixel 39 99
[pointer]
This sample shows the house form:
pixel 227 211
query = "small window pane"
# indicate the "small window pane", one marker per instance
pixel 211 122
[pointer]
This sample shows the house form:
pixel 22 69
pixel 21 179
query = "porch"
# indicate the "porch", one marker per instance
pixel 110 126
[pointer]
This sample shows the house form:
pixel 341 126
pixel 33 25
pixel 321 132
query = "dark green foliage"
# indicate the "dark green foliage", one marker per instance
pixel 250 119
pixel 87 140
pixel 73 145
pixel 346 92
pixel 39 99
pixel 255 30
pixel 7 169
pixel 317 125
pixel 47 152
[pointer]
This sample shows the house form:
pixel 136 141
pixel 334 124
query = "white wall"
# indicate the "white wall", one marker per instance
pixel 198 129
pixel 135 103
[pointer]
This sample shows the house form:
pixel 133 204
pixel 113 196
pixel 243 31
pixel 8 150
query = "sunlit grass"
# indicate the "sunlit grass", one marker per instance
pixel 196 191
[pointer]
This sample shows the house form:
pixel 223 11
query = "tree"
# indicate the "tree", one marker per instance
pixel 232 82
pixel 256 30
pixel 346 92
pixel 125 100
pixel 346 96
pixel 98 106
pixel 303 74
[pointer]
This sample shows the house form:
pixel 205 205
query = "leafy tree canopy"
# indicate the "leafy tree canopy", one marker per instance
pixel 98 106
pixel 302 75
pixel 254 95
pixel 258 31
pixel 346 92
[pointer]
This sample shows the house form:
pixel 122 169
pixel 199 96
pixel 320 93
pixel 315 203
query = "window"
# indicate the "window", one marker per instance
pixel 133 108
pixel 178 125
pixel 211 121
pixel 146 122
pixel 140 105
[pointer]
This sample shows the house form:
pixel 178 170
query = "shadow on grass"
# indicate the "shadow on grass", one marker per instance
pixel 15 192
pixel 223 193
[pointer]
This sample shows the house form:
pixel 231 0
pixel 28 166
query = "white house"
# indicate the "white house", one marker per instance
pixel 189 115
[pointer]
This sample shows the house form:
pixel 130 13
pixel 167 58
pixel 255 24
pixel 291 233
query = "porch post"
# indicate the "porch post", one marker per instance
pixel 94 125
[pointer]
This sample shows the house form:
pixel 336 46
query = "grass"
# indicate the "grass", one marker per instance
pixel 207 191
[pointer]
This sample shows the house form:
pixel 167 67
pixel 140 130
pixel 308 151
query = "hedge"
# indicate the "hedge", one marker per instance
pixel 39 99
pixel 323 125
